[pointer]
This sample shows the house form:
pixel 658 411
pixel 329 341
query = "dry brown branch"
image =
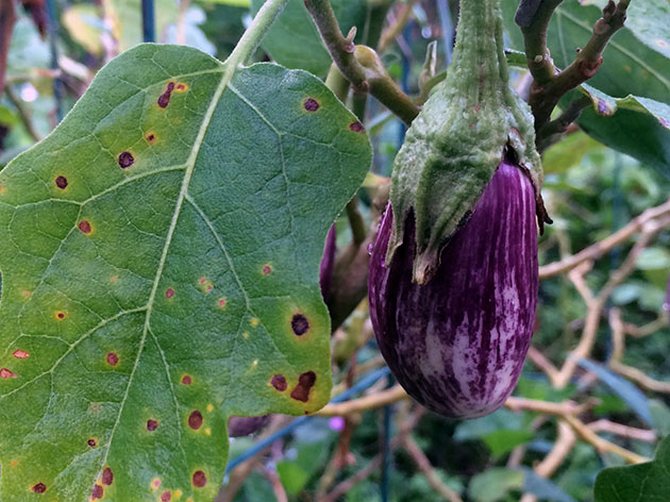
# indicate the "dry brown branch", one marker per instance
pixel 401 19
pixel 640 378
pixel 370 402
pixel 602 445
pixel 598 249
pixel 275 482
pixel 424 465
pixel 618 349
pixel 647 329
pixel 345 486
pixel 626 431
pixel 7 22
pixel 563 445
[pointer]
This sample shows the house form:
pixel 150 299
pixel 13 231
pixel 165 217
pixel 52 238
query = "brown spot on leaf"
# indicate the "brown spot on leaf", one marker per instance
pixel 305 383
pixel 152 425
pixel 279 382
pixel 195 420
pixel 97 492
pixel 164 99
pixel 112 358
pixel 21 354
pixel 126 160
pixel 311 105
pixel 222 302
pixel 39 488
pixel 92 442
pixel 206 285
pixel 267 269
pixel 166 496
pixel 107 476
pixel 356 127
pixel 199 479
pixel 150 137
pixel 61 182
pixel 155 484
pixel 60 315
pixel 169 293
pixel 85 227
pixel 181 87
pixel 186 380
pixel 6 373
pixel 299 324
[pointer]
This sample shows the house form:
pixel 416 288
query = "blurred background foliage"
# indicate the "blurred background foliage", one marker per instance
pixel 591 191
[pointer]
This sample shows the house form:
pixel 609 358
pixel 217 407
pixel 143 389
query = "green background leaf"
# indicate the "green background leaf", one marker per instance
pixel 648 482
pixel 293 40
pixel 630 66
pixel 159 254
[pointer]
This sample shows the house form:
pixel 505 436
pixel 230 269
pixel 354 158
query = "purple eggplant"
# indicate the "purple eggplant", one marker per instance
pixel 457 344
pixel 244 426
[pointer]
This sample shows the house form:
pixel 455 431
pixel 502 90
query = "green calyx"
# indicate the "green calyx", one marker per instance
pixel 470 121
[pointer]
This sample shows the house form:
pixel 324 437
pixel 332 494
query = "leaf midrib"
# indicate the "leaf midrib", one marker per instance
pixel 183 193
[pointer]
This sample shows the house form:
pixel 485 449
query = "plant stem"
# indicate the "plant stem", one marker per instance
pixel 254 34
pixel 341 48
pixel 550 85
pixel 7 21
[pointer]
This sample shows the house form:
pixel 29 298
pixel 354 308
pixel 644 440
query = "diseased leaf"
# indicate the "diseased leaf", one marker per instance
pixel 648 482
pixel 159 255
pixel 293 40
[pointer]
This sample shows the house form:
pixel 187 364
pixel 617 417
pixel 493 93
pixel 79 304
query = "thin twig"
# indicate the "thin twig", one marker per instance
pixel 403 16
pixel 7 22
pixel 24 116
pixel 424 465
pixel 549 84
pixel 341 48
pixel 598 249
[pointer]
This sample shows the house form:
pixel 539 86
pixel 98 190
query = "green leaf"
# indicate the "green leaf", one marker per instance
pixel 293 40
pixel 653 258
pixel 494 484
pixel 639 127
pixel 660 414
pixel 159 255
pixel 568 153
pixel 648 482
pixel 635 60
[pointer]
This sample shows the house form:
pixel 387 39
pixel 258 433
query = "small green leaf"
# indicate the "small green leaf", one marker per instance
pixel 653 258
pixel 159 255
pixel 648 482
pixel 495 484
pixel 293 40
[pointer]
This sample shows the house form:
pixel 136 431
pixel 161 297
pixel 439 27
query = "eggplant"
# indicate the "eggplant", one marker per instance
pixel 457 344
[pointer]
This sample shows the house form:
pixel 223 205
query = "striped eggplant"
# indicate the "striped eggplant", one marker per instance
pixel 453 276
pixel 457 344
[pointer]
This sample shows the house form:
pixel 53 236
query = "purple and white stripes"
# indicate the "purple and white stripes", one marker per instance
pixel 458 343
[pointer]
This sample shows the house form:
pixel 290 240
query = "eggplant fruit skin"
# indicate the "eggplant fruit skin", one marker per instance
pixel 457 344
pixel 245 426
